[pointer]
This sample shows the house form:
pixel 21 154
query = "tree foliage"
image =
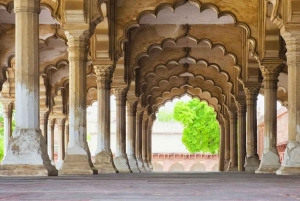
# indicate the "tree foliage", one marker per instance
pixel 165 116
pixel 201 130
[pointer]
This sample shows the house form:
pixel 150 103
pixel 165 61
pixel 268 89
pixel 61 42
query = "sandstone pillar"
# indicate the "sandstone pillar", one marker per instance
pixel 7 117
pixel 270 159
pixel 144 143
pixel 233 139
pixel 66 138
pixel 59 125
pixel 121 160
pixel 222 146
pixel 104 160
pixel 131 136
pixel 252 159
pixel 50 140
pixel 77 160
pixel 138 142
pixel 241 106
pixel 43 122
pixel 149 145
pixel 291 162
pixel 31 157
pixel 227 144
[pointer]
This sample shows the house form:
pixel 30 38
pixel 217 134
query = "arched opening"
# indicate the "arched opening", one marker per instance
pixel 168 147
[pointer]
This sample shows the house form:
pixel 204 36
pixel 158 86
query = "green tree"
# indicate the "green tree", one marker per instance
pixel 201 130
pixel 165 116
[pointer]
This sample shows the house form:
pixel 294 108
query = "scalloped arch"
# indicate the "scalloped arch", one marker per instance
pixel 201 6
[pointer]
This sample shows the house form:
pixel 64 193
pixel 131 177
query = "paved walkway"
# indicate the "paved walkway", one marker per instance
pixel 153 186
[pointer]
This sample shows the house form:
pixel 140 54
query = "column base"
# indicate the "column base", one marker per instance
pixel 121 163
pixel 233 169
pixel 59 164
pixel 270 163
pixel 226 165
pixel 291 161
pixel 251 163
pixel 76 163
pixel 133 164
pixel 27 155
pixel 145 163
pixel 104 163
pixel 140 165
pixel 150 166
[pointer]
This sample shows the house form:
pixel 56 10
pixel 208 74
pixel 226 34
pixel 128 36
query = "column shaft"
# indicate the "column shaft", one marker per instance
pixel 291 162
pixel 241 105
pixel 121 160
pixel 50 140
pixel 149 145
pixel 59 125
pixel 270 159
pixel 77 160
pixel 138 142
pixel 222 147
pixel 233 140
pixel 104 159
pixel 227 144
pixel 31 157
pixel 7 117
pixel 252 160
pixel 131 135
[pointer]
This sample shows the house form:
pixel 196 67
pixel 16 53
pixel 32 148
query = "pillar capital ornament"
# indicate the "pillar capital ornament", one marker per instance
pixel 270 71
pixel 120 93
pixel 7 106
pixel 132 108
pixel 241 105
pixel 251 93
pixel 103 72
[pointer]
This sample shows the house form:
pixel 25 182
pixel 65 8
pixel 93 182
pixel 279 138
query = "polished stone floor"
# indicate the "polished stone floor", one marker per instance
pixel 153 186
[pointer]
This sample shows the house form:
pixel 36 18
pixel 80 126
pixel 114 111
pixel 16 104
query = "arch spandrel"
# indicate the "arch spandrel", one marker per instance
pixel 130 12
pixel 193 92
pixel 146 36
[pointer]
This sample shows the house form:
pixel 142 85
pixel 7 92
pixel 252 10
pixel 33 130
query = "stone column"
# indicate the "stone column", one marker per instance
pixel 233 139
pixel 43 122
pixel 149 145
pixel 270 161
pixel 222 146
pixel 66 139
pixel 227 143
pixel 121 160
pixel 291 162
pixel 59 125
pixel 77 160
pixel 104 160
pixel 144 143
pixel 31 159
pixel 138 145
pixel 241 106
pixel 50 139
pixel 7 117
pixel 252 159
pixel 131 135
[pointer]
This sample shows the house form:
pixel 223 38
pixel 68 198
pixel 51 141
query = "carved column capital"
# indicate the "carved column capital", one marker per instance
pixel 7 106
pixel 120 94
pixel 103 72
pixel 241 105
pixel 131 108
pixel 251 93
pixel 292 40
pixel 270 71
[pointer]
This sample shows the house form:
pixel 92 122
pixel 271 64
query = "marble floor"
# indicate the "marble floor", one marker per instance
pixel 153 186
